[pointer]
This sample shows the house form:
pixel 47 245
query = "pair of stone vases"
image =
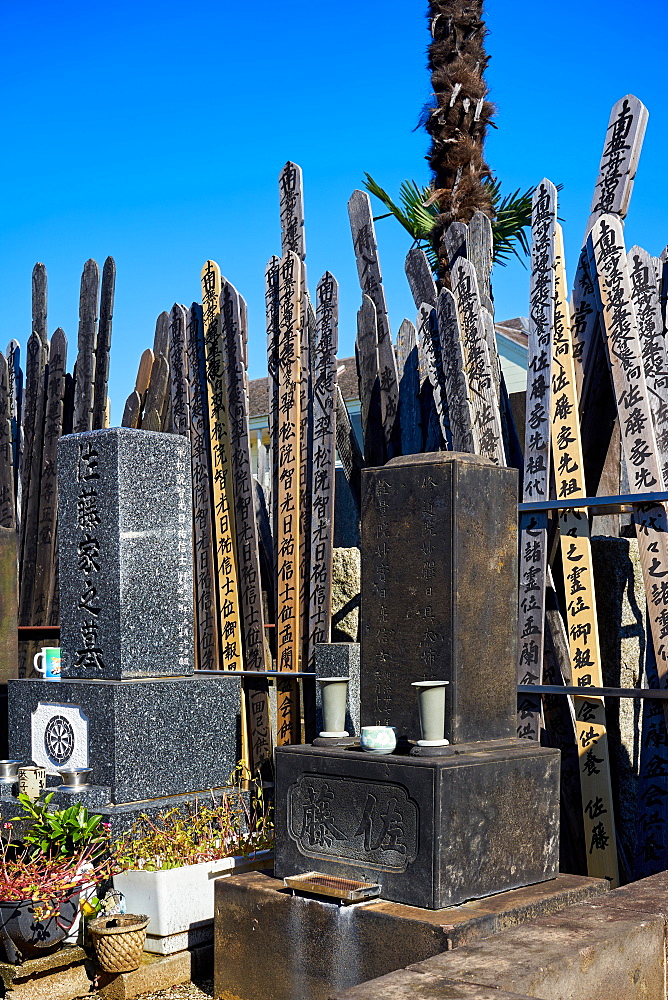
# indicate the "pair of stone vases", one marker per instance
pixel 431 705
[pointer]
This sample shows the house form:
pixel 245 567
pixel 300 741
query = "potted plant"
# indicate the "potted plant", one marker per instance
pixel 173 860
pixel 39 896
pixel 62 855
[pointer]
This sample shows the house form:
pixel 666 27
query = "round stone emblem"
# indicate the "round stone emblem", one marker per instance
pixel 59 739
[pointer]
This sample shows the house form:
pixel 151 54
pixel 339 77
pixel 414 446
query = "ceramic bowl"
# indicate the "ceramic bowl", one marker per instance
pixel 378 739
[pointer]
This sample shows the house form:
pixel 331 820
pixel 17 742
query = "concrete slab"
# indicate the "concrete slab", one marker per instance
pixel 270 945
pixel 407 985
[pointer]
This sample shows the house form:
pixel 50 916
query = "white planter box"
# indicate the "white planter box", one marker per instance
pixel 179 901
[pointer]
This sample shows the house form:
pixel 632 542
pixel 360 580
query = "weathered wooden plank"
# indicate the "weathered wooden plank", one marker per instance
pixel 480 251
pixel 34 376
pixel 324 384
pixel 177 370
pixel 410 417
pixel 307 333
pixel 144 373
pixel 287 535
pixel 15 386
pixel 371 283
pixel 584 320
pixel 369 383
pixel 427 333
pixel 420 278
pixel 291 196
pixel 221 473
pixel 158 388
pixel 208 636
pixel 495 362
pixel 454 242
pixel 39 303
pixel 161 336
pixel 46 555
pixel 641 453
pixel 87 342
pixel 9 645
pixel 151 421
pixel 533 530
pixel 132 410
pixel 31 514
pixel 272 306
pixel 647 308
pixel 619 159
pixel 103 345
pixel 247 550
pixel 350 454
pixel 580 596
pixel 460 409
pixel 487 435
pixel 7 511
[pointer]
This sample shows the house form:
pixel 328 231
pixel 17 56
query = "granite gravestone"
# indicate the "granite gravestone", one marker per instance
pixel 439 571
pixel 128 705
pixel 439 593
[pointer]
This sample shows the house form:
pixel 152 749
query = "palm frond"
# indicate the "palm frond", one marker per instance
pixel 512 217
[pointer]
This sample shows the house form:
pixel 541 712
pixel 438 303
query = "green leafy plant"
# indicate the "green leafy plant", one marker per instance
pixel 240 823
pixel 417 211
pixel 62 833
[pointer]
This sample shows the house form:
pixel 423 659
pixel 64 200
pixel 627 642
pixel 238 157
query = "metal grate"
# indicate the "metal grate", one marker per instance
pixel 346 890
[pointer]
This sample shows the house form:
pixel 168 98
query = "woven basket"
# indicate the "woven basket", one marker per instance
pixel 119 941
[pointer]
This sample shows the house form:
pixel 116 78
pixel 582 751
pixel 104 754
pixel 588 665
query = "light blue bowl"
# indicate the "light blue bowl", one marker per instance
pixel 378 739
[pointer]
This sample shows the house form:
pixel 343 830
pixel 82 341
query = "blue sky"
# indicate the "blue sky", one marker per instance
pixel 155 132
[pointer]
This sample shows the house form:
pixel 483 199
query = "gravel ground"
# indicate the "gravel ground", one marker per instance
pixel 202 990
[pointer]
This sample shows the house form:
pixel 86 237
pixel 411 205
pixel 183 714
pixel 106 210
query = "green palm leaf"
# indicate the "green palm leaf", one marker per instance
pixel 509 227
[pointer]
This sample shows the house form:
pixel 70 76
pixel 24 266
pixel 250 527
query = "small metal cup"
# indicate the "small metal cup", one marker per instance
pixel 75 777
pixel 9 771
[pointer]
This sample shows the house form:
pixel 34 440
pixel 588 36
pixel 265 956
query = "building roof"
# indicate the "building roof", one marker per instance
pixel 515 330
pixel 258 388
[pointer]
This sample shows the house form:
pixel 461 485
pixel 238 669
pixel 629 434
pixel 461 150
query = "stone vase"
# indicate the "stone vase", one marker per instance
pixel 431 705
pixel 334 691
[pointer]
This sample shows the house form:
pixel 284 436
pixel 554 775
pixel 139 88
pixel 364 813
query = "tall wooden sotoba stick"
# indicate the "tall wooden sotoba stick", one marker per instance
pixel 232 340
pixel 288 492
pixel 487 436
pixel 647 308
pixel 429 342
pixel 207 612
pixel 293 239
pixel 178 366
pixel 582 624
pixel 323 360
pixel 271 278
pixel 221 473
pixel 612 194
pixel 420 278
pixel 410 425
pixel 533 529
pixel 641 453
pixel 371 283
pixel 87 342
pixel 103 345
pixel 460 408
pixel 7 507
pixel 373 438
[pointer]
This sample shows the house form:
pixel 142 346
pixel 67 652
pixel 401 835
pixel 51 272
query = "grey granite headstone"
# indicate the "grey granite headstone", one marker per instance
pixel 339 659
pixel 439 593
pixel 125 549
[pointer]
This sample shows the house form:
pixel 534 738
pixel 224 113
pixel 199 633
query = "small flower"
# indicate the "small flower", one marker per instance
pixel 7 826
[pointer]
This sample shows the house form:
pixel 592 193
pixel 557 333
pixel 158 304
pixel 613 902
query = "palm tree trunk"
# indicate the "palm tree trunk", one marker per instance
pixel 460 116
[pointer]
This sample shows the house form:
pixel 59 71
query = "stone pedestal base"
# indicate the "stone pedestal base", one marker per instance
pixel 151 743
pixel 433 831
pixel 270 945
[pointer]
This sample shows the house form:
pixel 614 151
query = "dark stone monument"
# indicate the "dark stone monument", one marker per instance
pixel 128 705
pixel 439 598
pixel 339 659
